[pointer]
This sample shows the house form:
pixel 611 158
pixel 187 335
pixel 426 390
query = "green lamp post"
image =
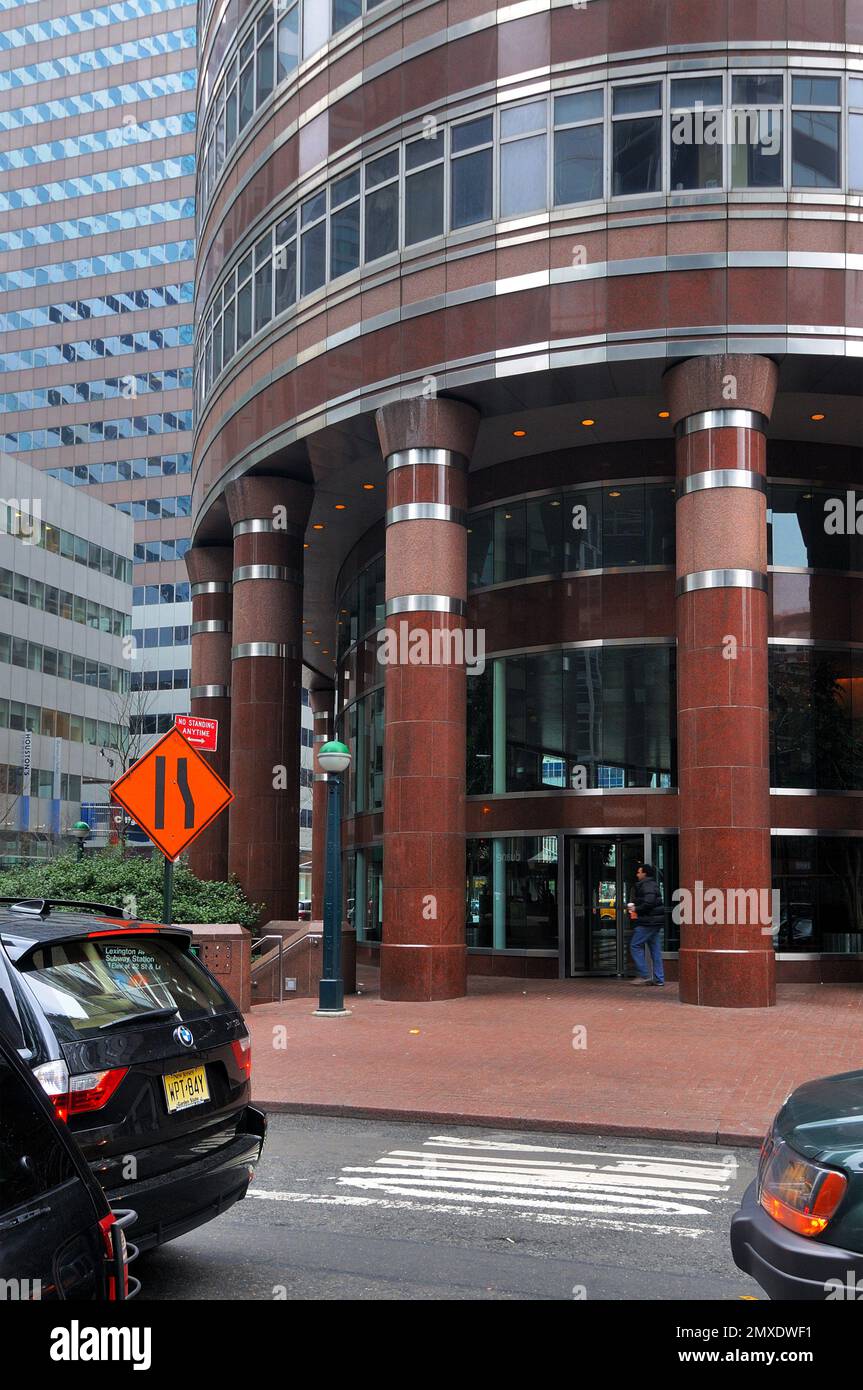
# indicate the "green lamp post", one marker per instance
pixel 334 758
pixel 81 831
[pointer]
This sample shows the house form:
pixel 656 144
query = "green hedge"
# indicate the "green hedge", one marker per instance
pixel 106 877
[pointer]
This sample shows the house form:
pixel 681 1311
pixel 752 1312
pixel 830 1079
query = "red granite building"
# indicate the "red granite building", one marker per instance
pixel 534 341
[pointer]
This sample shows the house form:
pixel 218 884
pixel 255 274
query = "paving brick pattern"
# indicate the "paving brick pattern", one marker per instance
pixel 505 1054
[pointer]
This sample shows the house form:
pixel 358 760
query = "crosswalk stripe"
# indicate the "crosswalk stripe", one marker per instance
pixel 548 1172
pixel 519 1198
pixel 458 1207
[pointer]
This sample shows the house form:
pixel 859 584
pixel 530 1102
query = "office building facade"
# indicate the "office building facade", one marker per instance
pixel 65 622
pixel 527 371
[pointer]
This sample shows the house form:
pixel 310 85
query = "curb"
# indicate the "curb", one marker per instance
pixel 723 1138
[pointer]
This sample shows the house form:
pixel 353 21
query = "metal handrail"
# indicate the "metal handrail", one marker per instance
pixel 275 936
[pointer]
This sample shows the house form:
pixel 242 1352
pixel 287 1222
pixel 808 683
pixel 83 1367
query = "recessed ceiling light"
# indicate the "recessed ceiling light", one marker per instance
pixel 368 486
pixel 340 506
pixel 819 415
pixel 318 526
pixel 664 414
pixel 554 504
pixel 519 434
pixel 306 545
pixel 326 650
pixel 588 422
pixel 507 516
pixel 614 494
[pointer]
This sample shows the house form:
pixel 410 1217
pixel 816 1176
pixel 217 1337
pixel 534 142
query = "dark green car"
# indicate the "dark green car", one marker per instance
pixel 799 1230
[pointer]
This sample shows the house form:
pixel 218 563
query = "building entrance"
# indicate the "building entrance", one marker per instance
pixel 601 881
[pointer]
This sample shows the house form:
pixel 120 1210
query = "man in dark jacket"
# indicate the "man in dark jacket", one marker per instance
pixel 649 921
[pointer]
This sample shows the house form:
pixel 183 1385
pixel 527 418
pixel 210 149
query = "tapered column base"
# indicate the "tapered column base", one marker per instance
pixel 720 979
pixel 423 973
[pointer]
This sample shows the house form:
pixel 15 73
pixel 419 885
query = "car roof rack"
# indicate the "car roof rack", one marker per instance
pixel 41 907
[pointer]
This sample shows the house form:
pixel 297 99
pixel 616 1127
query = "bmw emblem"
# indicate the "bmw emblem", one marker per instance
pixel 183 1035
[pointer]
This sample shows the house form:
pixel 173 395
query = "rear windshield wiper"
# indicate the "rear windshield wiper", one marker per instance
pixel 146 1017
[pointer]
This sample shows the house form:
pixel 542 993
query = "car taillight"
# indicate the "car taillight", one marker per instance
pixel 798 1194
pixel 74 1095
pixel 53 1077
pixel 242 1048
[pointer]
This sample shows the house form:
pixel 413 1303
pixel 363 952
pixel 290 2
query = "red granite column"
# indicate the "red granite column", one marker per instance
pixel 720 407
pixel 269 517
pixel 427 445
pixel 321 698
pixel 209 569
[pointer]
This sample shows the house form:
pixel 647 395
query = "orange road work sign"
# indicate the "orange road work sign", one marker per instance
pixel 172 793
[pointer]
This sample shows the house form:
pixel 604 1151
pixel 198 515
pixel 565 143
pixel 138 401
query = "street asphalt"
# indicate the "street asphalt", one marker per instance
pixel 364 1209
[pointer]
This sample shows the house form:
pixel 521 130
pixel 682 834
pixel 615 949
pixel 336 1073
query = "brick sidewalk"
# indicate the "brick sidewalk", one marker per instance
pixel 505 1055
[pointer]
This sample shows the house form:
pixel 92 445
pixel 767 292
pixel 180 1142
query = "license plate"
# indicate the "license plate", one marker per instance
pixel 186 1088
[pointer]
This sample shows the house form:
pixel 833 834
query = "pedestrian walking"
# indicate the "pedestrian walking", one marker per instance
pixel 648 913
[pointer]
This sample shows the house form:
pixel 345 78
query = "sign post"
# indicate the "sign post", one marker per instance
pixel 173 794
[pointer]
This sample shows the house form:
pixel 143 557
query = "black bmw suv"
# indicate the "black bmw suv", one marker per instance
pixel 143 1055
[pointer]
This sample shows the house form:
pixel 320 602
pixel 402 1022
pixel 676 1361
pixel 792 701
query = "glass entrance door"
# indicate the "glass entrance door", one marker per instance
pixel 601 883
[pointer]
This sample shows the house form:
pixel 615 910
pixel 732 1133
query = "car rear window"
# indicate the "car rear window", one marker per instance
pixel 83 986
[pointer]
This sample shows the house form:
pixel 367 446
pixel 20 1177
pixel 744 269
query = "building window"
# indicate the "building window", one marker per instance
pixel 578 147
pixel 587 717
pixel 512 887
pixel 855 133
pixel 313 243
pixel 523 163
pixel 382 206
pixel 816 104
pixel 756 130
pixel 285 256
pixel 264 58
pixel 424 171
pixel 472 172
pixel 345 225
pixel 697 135
pixel 818 879
pixel 816 718
pixel 263 281
pixel 288 43
pixel 636 139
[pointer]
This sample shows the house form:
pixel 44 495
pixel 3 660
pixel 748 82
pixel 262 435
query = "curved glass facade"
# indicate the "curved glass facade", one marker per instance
pixel 598 716
pixel 816 717
pixel 585 528
pixel 515 161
